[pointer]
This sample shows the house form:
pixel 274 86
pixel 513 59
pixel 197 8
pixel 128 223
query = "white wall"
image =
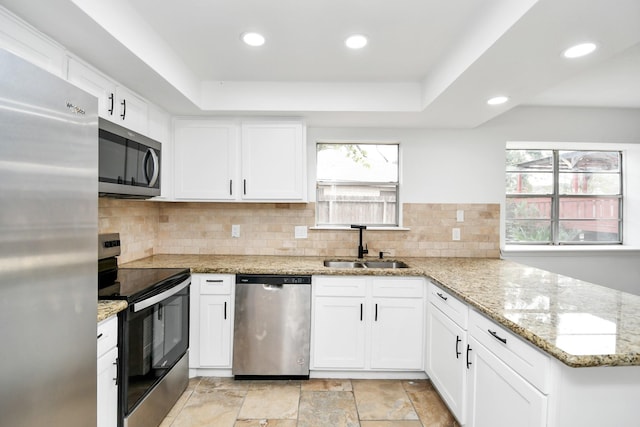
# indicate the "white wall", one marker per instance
pixel 467 166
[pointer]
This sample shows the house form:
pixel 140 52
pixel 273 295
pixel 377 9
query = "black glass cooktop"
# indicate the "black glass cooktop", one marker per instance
pixel 134 284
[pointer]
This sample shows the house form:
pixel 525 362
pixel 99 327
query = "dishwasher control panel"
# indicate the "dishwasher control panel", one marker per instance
pixel 268 279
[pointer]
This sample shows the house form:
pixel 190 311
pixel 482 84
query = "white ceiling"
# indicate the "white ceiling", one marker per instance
pixel 429 63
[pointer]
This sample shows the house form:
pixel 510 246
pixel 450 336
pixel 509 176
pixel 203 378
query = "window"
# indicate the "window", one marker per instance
pixel 563 197
pixel 357 184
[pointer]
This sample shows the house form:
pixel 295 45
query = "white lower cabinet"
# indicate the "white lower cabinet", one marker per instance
pixel 338 332
pixel 396 339
pixel 215 330
pixel 211 330
pixel 498 396
pixel 446 360
pixel 508 380
pixel 358 325
pixel 486 375
pixel 107 390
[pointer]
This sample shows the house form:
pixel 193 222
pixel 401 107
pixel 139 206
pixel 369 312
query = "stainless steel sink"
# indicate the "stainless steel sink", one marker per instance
pixel 385 264
pixel 343 264
pixel 364 264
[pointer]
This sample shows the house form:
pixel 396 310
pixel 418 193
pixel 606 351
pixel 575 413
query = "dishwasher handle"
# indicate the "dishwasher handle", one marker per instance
pixel 272 287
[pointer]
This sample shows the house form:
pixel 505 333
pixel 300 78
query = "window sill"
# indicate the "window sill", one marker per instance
pixel 336 227
pixel 591 250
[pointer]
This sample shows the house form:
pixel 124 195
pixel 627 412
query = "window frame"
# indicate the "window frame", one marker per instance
pixel 555 196
pixel 373 184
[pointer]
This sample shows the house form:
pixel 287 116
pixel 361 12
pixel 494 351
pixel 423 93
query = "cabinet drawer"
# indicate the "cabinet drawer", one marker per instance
pixel 216 284
pixel 347 286
pixel 450 305
pixel 524 358
pixel 398 287
pixel 107 335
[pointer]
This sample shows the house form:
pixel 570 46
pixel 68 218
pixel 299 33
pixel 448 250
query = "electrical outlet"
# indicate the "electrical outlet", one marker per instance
pixel 235 230
pixel 300 232
pixel 460 215
pixel 455 234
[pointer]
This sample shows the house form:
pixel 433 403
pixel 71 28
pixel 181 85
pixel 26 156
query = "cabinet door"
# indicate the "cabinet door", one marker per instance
pixel 131 111
pixel 215 330
pixel 338 331
pixel 97 85
pixel 397 328
pixel 273 161
pixel 107 392
pixel 159 123
pixel 205 159
pixel 497 396
pixel 26 42
pixel 446 345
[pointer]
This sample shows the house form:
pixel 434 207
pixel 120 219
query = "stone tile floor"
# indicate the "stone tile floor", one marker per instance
pixel 223 402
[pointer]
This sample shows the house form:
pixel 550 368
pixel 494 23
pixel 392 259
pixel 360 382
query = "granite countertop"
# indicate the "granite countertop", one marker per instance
pixel 108 308
pixel 579 323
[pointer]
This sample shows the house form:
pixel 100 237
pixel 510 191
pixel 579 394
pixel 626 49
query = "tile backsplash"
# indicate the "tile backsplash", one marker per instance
pixel 148 228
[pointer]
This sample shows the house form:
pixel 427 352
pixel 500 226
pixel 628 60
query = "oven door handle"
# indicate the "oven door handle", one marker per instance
pixel 161 296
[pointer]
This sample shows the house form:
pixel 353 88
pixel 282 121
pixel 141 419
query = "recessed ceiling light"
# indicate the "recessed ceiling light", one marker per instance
pixel 253 39
pixel 497 100
pixel 356 41
pixel 579 50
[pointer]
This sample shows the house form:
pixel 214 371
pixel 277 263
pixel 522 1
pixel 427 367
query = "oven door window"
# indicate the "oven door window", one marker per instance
pixel 157 337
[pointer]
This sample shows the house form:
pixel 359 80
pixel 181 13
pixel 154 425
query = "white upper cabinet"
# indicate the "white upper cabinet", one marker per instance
pixel 96 84
pixel 115 103
pixel 273 161
pixel 205 157
pixel 24 41
pixel 232 161
pixel 131 111
pixel 159 124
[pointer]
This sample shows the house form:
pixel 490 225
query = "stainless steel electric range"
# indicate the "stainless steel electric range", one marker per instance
pixel 153 338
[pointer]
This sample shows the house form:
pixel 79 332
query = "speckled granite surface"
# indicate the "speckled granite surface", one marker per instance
pixel 108 308
pixel 579 323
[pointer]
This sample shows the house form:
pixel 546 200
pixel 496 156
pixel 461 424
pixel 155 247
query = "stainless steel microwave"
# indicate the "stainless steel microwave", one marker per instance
pixel 128 163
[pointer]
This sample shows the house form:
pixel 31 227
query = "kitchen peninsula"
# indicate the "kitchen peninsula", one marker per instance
pixel 592 333
pixel 535 304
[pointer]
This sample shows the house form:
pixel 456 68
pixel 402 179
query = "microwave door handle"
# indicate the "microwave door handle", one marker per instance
pixel 161 296
pixel 154 177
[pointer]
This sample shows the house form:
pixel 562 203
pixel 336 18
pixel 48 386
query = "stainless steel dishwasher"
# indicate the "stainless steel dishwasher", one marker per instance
pixel 272 326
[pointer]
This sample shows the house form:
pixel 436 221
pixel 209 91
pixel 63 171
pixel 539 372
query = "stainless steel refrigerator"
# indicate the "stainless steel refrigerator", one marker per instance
pixel 48 248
